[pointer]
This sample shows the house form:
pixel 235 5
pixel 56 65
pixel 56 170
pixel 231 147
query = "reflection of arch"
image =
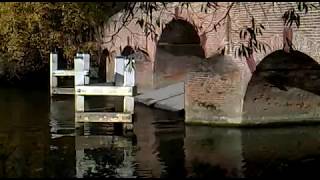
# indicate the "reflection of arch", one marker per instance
pixel 282 83
pixel 178 51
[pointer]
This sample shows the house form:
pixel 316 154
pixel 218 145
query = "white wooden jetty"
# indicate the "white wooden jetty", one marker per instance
pixel 124 85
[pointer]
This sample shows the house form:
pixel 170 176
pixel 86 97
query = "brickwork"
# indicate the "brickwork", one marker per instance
pixel 289 94
pixel 212 93
pixel 211 96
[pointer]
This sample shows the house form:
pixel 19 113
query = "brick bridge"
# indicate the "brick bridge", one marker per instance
pixel 219 87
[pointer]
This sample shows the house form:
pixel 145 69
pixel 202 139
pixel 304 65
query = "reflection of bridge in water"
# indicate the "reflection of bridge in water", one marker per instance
pixel 161 146
pixel 104 156
pixel 34 143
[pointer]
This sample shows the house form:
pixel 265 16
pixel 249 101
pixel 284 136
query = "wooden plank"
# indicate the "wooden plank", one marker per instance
pixel 66 73
pixel 63 73
pixel 107 117
pixel 102 84
pixel 104 91
pixel 63 90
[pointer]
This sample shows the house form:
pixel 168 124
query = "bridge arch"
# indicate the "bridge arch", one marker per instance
pixel 178 51
pixel 285 86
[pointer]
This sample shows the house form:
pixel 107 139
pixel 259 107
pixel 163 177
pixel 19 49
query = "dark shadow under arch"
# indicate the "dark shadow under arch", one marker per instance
pixel 184 29
pixel 294 69
pixel 128 50
pixel 103 65
pixel 284 84
pixel 179 37
pixel 178 51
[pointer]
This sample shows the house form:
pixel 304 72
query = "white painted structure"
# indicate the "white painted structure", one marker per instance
pixel 55 73
pixel 124 85
pixel 123 72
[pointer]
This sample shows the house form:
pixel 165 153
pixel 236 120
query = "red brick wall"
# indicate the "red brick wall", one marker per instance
pixel 144 76
pixel 170 69
pixel 305 39
pixel 288 94
pixel 212 92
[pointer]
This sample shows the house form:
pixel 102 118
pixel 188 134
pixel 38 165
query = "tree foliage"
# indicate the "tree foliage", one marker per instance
pixel 29 31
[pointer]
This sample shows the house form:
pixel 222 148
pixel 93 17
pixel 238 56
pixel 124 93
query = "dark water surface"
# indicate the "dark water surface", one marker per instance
pixel 37 139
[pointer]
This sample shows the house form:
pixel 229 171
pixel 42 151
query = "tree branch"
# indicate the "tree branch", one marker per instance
pixel 222 19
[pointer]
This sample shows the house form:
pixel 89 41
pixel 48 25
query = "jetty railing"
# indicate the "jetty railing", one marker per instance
pixel 123 85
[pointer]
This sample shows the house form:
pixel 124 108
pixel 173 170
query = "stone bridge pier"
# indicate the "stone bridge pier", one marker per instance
pixel 220 89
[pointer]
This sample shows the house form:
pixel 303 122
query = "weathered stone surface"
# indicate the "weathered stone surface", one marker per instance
pixel 169 98
pixel 212 95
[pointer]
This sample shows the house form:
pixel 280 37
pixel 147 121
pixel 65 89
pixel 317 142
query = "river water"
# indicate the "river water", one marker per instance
pixel 38 139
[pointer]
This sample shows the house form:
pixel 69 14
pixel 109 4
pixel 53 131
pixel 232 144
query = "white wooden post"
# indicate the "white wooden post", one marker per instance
pixel 86 60
pixel 53 67
pixel 119 71
pixel 79 80
pixel 129 74
pixel 128 104
pixel 129 81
